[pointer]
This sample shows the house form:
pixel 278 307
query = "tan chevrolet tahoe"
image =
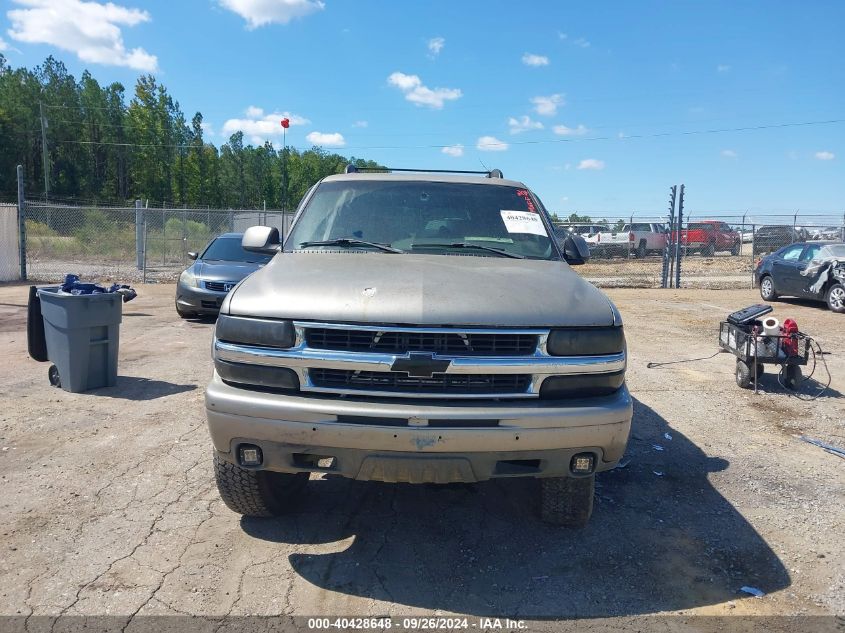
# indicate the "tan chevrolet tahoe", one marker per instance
pixel 423 328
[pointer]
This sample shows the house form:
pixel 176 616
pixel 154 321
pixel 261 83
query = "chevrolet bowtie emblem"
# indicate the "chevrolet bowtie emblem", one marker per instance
pixel 420 365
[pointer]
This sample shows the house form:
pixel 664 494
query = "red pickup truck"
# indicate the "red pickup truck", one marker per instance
pixel 709 236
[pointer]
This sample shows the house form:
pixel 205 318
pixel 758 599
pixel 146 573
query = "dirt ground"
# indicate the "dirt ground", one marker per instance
pixel 108 503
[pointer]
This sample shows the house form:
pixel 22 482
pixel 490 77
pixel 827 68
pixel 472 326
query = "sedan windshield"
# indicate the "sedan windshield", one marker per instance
pixel 229 249
pixel 423 217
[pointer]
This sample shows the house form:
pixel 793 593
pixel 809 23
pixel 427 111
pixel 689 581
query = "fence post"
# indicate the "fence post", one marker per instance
pixel 21 224
pixel 678 242
pixel 139 235
pixel 753 231
pixel 667 248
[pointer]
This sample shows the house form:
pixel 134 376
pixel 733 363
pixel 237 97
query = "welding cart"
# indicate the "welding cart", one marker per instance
pixel 742 335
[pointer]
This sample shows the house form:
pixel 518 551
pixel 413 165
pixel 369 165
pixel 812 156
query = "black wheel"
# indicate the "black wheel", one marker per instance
pixel 767 288
pixel 744 376
pixel 53 376
pixel 836 298
pixel 760 369
pixel 257 493
pixel 567 501
pixel 183 314
pixel 792 377
pixel 709 250
pixel 641 250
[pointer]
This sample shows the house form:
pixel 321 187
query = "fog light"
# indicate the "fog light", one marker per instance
pixel 582 464
pixel 250 455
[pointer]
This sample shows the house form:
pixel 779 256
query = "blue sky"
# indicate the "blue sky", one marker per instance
pixel 562 90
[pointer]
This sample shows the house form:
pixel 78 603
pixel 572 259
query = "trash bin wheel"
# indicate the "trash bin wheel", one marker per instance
pixel 743 374
pixel 53 376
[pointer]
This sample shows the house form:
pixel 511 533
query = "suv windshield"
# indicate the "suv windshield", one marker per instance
pixel 229 249
pixel 424 217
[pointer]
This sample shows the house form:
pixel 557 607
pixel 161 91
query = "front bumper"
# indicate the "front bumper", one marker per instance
pixel 198 300
pixel 418 441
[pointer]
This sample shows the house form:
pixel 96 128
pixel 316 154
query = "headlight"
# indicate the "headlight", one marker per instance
pixel 187 278
pixel 257 375
pixel 251 331
pixel 581 385
pixel 587 341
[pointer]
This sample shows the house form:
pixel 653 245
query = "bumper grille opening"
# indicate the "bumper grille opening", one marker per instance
pixel 397 382
pixel 517 467
pixel 503 344
pixel 314 462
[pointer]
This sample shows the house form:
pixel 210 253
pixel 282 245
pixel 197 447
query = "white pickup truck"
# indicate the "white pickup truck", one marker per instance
pixel 638 239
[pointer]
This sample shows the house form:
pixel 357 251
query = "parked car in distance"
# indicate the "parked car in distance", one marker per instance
pixel 779 274
pixel 586 230
pixel 205 283
pixel 421 328
pixel 638 239
pixel 774 236
pixel 709 237
pixel 827 233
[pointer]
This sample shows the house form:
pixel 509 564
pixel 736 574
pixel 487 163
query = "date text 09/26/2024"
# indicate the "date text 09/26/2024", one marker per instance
pixel 420 623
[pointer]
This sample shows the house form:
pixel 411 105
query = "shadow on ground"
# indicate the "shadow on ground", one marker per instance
pixel 656 541
pixel 136 388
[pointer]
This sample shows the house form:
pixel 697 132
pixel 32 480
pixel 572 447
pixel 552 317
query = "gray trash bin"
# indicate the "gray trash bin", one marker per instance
pixel 82 336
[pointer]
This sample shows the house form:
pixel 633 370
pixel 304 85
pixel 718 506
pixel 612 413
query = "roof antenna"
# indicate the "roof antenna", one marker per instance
pixel 483 165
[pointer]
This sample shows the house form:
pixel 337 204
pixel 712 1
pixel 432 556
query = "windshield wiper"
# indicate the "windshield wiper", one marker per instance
pixel 350 241
pixel 479 247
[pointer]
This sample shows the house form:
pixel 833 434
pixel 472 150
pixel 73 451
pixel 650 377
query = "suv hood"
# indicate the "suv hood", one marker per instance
pixel 413 289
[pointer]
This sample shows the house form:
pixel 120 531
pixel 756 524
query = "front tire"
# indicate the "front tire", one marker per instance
pixel 767 288
pixel 792 377
pixel 836 298
pixel 744 376
pixel 567 501
pixel 641 250
pixel 709 250
pixel 257 493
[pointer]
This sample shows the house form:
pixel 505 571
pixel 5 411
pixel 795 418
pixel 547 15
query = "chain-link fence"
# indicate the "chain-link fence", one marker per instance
pixel 133 244
pixel 130 244
pixel 716 251
pixel 10 263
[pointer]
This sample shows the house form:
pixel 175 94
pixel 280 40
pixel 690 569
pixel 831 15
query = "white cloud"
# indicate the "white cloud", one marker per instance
pixel 530 59
pixel 562 36
pixel 454 150
pixel 421 95
pixel 360 124
pixel 562 130
pixel 825 155
pixel 582 42
pixel 591 163
pixel 260 12
pixel 491 144
pixel 722 68
pixel 523 124
pixel 435 45
pixel 729 153
pixel 260 126
pixel 547 106
pixel 328 139
pixel 91 30
pixel 4 46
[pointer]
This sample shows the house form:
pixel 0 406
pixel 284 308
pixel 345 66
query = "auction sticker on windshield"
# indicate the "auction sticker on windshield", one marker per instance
pixel 523 222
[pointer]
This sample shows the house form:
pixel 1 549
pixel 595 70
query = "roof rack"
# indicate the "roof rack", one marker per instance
pixel 491 173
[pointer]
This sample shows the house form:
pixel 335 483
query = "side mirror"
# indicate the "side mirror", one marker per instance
pixel 261 239
pixel 576 251
pixel 193 255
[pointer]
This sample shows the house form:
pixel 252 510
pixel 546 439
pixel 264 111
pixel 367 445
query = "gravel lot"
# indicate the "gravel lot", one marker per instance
pixel 108 504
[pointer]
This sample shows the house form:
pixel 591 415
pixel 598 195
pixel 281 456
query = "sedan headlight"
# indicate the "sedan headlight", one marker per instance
pixel 251 331
pixel 187 278
pixel 587 341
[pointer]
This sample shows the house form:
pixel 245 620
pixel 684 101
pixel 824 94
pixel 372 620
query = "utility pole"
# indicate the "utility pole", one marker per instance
pixel 44 155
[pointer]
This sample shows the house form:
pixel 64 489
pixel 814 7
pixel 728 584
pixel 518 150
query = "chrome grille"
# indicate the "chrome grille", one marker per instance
pixel 220 286
pixel 399 342
pixel 399 382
